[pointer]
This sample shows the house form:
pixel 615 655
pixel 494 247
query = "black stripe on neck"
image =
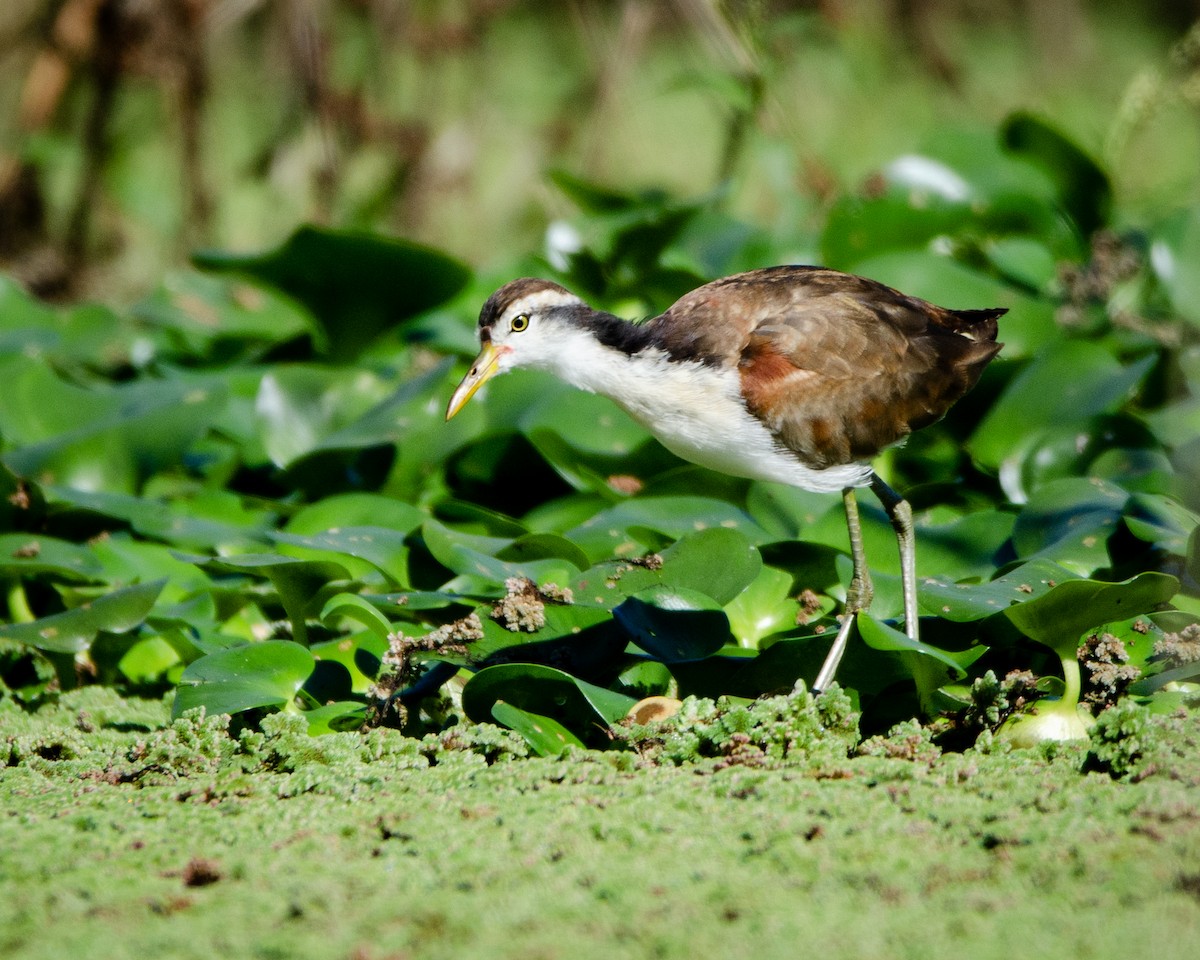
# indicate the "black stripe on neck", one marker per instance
pixel 613 332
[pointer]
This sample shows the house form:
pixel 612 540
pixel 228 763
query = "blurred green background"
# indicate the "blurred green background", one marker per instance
pixel 133 132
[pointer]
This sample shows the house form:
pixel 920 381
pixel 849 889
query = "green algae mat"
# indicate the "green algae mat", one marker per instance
pixel 127 835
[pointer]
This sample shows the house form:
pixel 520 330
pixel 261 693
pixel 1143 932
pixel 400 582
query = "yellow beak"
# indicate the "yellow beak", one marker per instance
pixel 482 370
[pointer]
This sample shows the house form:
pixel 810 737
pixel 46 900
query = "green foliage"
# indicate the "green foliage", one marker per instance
pixel 796 730
pixel 248 495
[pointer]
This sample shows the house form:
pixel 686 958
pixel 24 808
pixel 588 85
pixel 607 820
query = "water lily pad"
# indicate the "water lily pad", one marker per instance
pixel 265 674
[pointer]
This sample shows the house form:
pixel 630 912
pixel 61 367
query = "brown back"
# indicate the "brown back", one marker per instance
pixel 836 366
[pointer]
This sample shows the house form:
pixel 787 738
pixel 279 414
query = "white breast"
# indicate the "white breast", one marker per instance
pixel 697 413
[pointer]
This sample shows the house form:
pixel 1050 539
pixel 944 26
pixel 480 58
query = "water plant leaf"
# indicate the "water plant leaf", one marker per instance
pixel 337 717
pixel 73 631
pixel 764 607
pixel 718 563
pixel 205 313
pixel 1059 616
pixel 1069 521
pixel 1176 253
pixel 351 606
pixel 674 624
pixel 581 707
pixel 383 548
pixel 547 736
pixel 964 602
pixel 611 533
pixel 1083 187
pixel 356 284
pixel 1160 520
pixel 267 674
pixel 297 582
pixel 216 520
pixel 23 555
pixel 360 654
pixel 477 557
pixel 1068 382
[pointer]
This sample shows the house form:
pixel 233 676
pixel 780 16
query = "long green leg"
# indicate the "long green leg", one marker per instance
pixel 858 594
pixel 900 514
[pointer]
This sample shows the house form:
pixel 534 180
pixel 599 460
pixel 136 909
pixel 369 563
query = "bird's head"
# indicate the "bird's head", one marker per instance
pixel 521 325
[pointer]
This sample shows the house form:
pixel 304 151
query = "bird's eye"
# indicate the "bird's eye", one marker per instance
pixel 519 322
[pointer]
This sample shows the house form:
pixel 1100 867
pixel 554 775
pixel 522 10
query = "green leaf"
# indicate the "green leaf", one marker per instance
pixel 23 555
pixel 299 407
pixel 965 602
pixel 1061 615
pixel 361 655
pixel 719 563
pixel 356 284
pixel 74 630
pixel 547 737
pixel 351 606
pixel 1083 187
pixel 210 520
pixel 930 667
pixel 205 313
pixel 1175 259
pixel 882 636
pixel 1069 521
pixel 102 438
pixel 610 533
pixel 764 607
pixel 576 637
pixel 383 548
pixel 339 717
pixel 580 707
pixel 1068 382
pixel 1162 521
pixel 265 674
pixel 674 625
pixel 298 582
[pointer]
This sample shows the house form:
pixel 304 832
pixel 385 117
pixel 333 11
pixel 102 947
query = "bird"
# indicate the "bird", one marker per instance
pixel 794 374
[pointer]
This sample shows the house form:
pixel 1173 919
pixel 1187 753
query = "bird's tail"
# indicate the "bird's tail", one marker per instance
pixel 977 324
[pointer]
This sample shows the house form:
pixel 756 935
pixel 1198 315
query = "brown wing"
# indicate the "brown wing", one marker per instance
pixel 836 366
